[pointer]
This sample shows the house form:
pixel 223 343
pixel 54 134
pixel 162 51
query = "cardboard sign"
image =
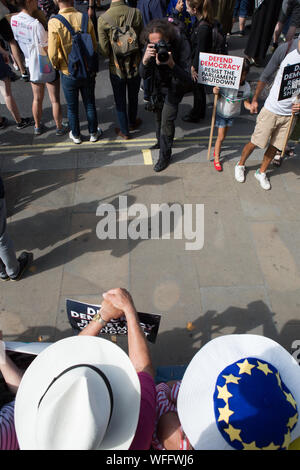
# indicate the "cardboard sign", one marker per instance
pixel 290 82
pixel 80 314
pixel 220 70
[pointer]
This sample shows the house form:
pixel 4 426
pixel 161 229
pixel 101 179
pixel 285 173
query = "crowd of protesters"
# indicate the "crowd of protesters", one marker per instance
pixel 86 393
pixel 41 32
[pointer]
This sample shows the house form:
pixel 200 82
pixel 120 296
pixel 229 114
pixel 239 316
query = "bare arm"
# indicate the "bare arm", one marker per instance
pixel 247 105
pixel 11 373
pixel 254 105
pixel 137 344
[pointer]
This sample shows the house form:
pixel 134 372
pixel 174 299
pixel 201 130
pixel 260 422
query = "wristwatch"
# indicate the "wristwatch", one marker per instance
pixel 99 319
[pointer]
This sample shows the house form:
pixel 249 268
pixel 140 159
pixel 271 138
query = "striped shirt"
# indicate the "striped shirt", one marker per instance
pixel 166 401
pixel 8 437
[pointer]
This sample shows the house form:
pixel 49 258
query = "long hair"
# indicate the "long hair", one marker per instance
pixel 162 26
pixel 204 8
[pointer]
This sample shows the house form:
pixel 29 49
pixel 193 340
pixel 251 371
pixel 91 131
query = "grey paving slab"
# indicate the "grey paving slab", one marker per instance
pixel 237 310
pixel 100 185
pixel 278 257
pixel 92 265
pixel 163 280
pixel 29 308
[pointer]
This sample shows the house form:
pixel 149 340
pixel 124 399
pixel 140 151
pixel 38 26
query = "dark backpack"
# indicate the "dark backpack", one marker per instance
pixel 82 60
pixel 124 44
pixel 123 39
pixel 219 43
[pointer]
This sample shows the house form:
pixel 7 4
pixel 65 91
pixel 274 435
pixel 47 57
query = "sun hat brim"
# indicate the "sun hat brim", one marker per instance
pixel 112 361
pixel 195 403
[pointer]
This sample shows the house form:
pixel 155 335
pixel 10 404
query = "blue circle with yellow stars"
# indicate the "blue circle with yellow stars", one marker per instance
pixel 254 409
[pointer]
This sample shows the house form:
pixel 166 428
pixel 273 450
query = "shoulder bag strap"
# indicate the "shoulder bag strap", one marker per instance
pixel 84 22
pixel 130 16
pixel 65 22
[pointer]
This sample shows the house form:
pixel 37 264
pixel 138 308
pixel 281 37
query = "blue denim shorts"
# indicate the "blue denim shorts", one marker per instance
pixel 223 122
pixel 241 8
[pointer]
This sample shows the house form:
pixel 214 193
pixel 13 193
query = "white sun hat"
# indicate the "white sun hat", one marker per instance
pixel 80 393
pixel 240 392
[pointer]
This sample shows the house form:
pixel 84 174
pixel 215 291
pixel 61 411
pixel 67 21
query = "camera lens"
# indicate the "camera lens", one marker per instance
pixel 162 51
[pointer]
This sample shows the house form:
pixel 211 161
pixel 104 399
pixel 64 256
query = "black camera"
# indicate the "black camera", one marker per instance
pixel 162 49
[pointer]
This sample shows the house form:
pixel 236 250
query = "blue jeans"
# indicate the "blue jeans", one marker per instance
pixel 86 87
pixel 120 86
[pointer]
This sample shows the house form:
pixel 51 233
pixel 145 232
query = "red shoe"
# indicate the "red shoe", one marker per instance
pixel 218 166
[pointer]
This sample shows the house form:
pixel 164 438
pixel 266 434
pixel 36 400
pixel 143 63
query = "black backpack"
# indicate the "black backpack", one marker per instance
pixel 219 43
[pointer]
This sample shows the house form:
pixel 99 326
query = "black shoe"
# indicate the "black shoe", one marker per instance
pixel 25 76
pixel 240 34
pixel 4 276
pixel 25 259
pixel 3 123
pixel 25 122
pixel 161 164
pixel 189 118
pixel 155 146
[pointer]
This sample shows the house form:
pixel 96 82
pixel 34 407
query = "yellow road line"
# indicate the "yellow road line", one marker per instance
pixel 147 156
pixel 26 150
pixel 110 142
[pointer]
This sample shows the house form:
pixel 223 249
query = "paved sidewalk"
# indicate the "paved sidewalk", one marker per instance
pixel 246 279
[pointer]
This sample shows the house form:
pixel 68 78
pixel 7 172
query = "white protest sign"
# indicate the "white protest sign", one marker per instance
pixel 220 70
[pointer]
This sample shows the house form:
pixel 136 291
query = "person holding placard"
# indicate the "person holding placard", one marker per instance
pixel 228 107
pixel 86 393
pixel 274 121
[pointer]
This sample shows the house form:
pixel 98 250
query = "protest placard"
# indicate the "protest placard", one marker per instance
pixel 80 314
pixel 290 82
pixel 220 70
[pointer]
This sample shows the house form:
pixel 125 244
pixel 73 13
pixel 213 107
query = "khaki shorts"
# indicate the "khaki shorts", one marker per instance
pixel 270 126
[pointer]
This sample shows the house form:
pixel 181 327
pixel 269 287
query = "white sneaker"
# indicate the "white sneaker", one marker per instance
pixel 97 135
pixel 239 173
pixel 76 140
pixel 263 180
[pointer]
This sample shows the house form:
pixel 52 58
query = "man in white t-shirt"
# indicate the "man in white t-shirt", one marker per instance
pixel 273 120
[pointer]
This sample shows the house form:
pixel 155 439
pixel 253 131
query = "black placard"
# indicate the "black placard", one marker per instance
pixel 290 82
pixel 80 314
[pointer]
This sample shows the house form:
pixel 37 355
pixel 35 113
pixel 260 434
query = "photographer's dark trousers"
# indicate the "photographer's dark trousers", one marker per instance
pixel 121 87
pixel 165 128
